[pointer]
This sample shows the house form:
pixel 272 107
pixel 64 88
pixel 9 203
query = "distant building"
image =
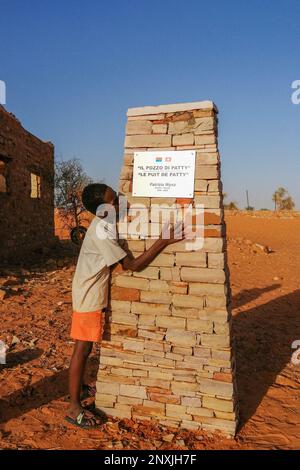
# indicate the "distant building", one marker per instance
pixel 26 191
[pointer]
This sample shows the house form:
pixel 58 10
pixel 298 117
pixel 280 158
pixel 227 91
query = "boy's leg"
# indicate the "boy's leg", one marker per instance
pixel 81 352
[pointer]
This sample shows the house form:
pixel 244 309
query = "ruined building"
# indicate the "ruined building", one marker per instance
pixel 26 191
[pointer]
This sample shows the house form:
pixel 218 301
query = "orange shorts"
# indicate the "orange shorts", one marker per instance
pixel 88 326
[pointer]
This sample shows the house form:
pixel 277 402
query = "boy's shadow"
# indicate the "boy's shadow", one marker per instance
pixel 41 393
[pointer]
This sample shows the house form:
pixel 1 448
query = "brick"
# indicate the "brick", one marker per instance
pixel 213 245
pixel 159 128
pixel 144 332
pixel 203 275
pixel 228 427
pixel 158 374
pixel 178 287
pixel 133 391
pixel 184 388
pixel 108 388
pixel 105 400
pixel 196 288
pixel 224 355
pixel 158 285
pixel 205 158
pixel 132 282
pixel 156 297
pixel 216 260
pixel 215 341
pixel 121 330
pixel 159 361
pixel 170 274
pixel 172 108
pixel 124 371
pixel 126 173
pixel 167 322
pixel 151 308
pixel 181 338
pixel 214 387
pixel 191 401
pixel 117 412
pixel 190 425
pixel 214 186
pixel 136 245
pixel 205 139
pixel 140 373
pixel 129 400
pixel 109 377
pixel 201 185
pixel 136 203
pixel 154 345
pixel 222 377
pixel 199 325
pixel 121 305
pixel 185 139
pixel 197 126
pixel 165 398
pixel 200 351
pixel 191 259
pixel 134 345
pixel 122 293
pixel 189 312
pixel 209 202
pixel 148 141
pixel 148 117
pixel 147 273
pixel 216 302
pixel 113 361
pixel 128 159
pixel 207 172
pixel 138 127
pixel 187 301
pixel 203 113
pixel 175 410
pixel 144 410
pixel 197 411
pixel 146 320
pixel 124 318
pixel 218 404
pixel 181 350
pixel 225 415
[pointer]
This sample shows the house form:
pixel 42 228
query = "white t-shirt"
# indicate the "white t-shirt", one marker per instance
pixel 100 249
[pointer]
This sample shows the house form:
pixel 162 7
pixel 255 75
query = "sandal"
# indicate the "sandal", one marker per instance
pixel 82 421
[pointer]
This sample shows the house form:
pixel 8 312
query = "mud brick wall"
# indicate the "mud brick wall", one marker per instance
pixel 27 224
pixel 167 350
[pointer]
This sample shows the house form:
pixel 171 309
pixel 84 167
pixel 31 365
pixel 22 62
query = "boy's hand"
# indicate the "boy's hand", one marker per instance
pixel 172 233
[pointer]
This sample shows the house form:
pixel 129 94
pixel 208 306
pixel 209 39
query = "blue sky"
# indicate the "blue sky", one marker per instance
pixel 72 68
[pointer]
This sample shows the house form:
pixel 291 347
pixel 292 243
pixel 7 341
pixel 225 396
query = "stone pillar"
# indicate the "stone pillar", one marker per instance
pixel 167 349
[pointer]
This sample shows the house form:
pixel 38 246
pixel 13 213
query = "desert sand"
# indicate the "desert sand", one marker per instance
pixel 264 259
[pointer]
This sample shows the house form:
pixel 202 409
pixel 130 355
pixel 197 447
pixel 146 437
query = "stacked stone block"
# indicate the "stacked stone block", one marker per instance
pixel 167 353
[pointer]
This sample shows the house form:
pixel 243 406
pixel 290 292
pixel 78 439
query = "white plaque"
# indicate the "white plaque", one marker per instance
pixel 164 174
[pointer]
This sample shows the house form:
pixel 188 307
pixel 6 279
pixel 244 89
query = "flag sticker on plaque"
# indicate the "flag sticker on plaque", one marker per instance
pixel 164 174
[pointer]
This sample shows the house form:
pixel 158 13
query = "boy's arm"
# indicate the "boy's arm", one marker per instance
pixel 142 261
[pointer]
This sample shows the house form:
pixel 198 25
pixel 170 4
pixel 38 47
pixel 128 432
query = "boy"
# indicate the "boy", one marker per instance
pixel 90 289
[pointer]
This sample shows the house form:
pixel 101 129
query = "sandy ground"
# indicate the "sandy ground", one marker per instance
pixel 35 319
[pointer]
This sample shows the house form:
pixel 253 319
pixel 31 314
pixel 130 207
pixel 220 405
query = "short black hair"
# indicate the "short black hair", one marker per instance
pixel 92 196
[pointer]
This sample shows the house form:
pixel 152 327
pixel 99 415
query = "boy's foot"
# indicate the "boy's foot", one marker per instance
pixel 83 418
